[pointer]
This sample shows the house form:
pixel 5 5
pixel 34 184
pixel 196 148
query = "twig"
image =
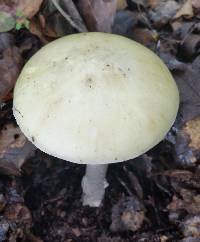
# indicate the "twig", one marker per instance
pixel 80 26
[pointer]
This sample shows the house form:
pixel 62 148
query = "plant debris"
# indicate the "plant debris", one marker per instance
pixel 155 197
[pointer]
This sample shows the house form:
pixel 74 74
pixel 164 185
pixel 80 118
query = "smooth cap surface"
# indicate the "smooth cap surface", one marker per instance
pixel 95 98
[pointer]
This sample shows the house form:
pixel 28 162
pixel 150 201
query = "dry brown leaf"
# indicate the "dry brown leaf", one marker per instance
pixel 140 2
pixel 37 29
pixel 146 37
pixel 19 212
pixel 190 227
pixel 124 22
pixel 191 45
pixel 189 88
pixel 121 4
pixel 192 128
pixel 196 4
pixel 186 10
pixel 2 202
pixel 176 24
pixel 163 12
pixel 26 7
pixel 14 149
pixel 189 202
pixel 29 8
pixel 153 3
pixel 10 66
pixel 184 178
pixel 98 14
pixel 128 214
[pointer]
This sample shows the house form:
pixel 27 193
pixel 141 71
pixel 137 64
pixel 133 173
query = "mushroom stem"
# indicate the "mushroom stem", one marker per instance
pixel 94 184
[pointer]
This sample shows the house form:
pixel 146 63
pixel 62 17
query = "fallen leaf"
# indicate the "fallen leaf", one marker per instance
pixel 183 154
pixel 106 238
pixel 185 11
pixel 124 22
pixel 190 226
pixel 189 88
pixel 189 202
pixel 192 129
pixel 184 177
pixel 14 149
pixel 140 2
pixel 10 66
pixel 187 146
pixel 2 202
pixel 191 45
pixel 153 3
pixel 196 4
pixel 6 41
pixel 190 239
pixel 98 14
pixel 76 232
pixel 69 11
pixel 163 12
pixel 167 52
pixel 18 212
pixel 121 4
pixel 4 227
pixel 127 214
pixel 37 29
pixel 25 8
pixel 146 37
pixel 7 22
pixel 182 28
pixel 32 238
pixel 50 24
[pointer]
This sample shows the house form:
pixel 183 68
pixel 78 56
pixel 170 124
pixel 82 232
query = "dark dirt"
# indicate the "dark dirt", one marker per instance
pixel 154 198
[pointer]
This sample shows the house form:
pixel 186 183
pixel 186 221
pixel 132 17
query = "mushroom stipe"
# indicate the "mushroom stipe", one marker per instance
pixel 95 99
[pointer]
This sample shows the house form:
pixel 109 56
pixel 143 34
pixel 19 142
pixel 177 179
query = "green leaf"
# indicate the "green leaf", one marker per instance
pixel 18 26
pixel 26 23
pixel 7 22
pixel 19 13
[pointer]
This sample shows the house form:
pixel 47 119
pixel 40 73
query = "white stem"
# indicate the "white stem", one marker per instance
pixel 94 184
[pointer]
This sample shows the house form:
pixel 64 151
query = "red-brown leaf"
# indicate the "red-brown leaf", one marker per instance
pixel 98 14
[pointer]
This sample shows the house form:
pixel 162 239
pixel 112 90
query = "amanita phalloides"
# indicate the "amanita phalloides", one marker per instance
pixel 95 99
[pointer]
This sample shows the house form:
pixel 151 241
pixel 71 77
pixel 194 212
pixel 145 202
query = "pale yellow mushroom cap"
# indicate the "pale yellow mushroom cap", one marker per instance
pixel 95 98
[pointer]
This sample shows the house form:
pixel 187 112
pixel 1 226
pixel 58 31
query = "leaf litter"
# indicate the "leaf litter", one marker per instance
pixel 153 198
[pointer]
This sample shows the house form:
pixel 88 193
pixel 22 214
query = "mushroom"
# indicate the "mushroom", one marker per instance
pixel 95 99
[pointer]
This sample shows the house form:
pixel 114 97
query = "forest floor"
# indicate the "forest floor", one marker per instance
pixel 155 197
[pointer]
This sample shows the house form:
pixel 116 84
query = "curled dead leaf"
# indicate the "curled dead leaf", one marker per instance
pixel 190 226
pixel 190 202
pixel 153 3
pixel 7 22
pixel 19 213
pixel 185 11
pixel 196 4
pixel 23 8
pixel 189 88
pixel 10 66
pixel 128 214
pixel 28 8
pixel 146 37
pixel 191 45
pixel 121 4
pixel 163 12
pixel 124 22
pixel 98 14
pixel 192 128
pixel 14 150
